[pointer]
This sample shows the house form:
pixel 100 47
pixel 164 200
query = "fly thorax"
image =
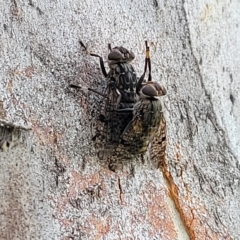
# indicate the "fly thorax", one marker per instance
pixel 152 112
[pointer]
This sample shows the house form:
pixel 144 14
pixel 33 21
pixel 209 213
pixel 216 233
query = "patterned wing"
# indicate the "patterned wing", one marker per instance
pixel 147 121
pixel 140 131
pixel 111 123
pixel 118 108
pixel 158 146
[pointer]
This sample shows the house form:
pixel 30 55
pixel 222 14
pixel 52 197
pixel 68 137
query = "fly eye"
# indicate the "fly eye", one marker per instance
pixel 149 90
pixel 115 55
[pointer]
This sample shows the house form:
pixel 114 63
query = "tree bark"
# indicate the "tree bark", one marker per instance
pixel 52 185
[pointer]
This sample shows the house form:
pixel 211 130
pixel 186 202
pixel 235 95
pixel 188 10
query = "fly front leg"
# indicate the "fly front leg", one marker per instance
pixel 147 65
pixel 95 55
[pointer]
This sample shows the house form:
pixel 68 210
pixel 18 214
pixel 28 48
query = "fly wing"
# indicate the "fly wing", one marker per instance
pixel 158 146
pixel 134 141
pixel 137 136
pixel 140 132
pixel 132 133
pixel 117 109
pixel 111 123
pixel 147 126
pixel 126 144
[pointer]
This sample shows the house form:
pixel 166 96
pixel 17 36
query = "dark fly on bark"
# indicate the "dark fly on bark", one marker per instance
pixel 148 123
pixel 121 79
pixel 120 97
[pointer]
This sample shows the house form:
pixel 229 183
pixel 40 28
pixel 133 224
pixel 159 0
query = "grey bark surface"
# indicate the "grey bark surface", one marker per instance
pixel 52 185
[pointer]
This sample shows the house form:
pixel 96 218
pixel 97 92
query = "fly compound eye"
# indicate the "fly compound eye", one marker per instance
pixel 149 90
pixel 115 55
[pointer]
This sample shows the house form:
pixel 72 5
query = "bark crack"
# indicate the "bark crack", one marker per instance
pixel 120 190
pixel 174 197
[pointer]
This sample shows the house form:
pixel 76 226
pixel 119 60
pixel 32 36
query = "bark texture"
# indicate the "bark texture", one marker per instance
pixel 52 185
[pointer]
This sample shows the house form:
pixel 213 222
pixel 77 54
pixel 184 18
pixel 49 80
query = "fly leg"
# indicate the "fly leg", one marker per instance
pixel 95 55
